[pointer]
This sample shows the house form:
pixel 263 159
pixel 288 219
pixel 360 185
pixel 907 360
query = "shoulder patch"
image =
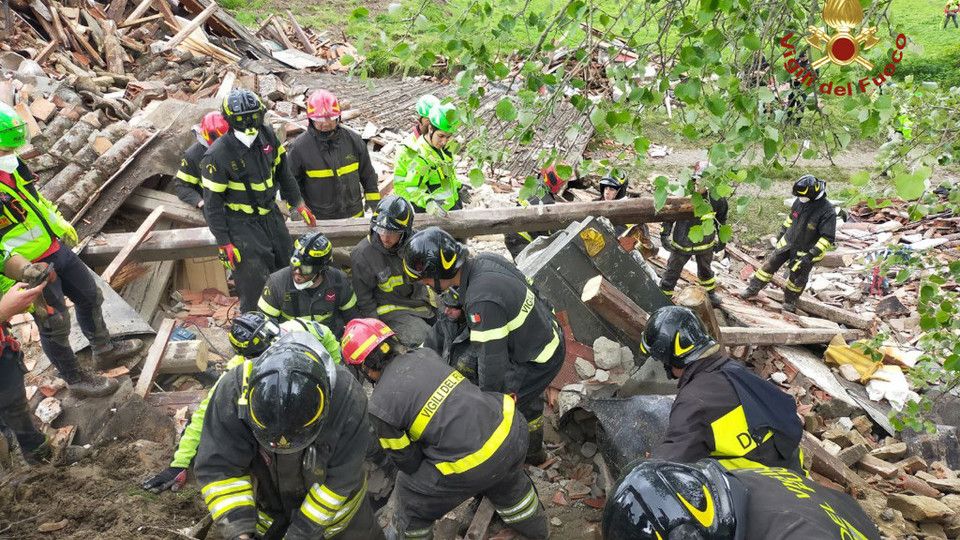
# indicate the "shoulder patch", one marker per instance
pixel 475 318
pixel 330 295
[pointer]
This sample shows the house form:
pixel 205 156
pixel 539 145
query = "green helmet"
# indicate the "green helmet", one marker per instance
pixel 13 130
pixel 426 103
pixel 445 117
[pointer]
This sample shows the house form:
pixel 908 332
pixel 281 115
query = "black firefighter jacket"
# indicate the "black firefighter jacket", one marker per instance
pixel 509 322
pixel 679 232
pixel 335 174
pixel 451 340
pixel 378 280
pixel 725 411
pixel 432 421
pixel 810 228
pixel 316 491
pixel 188 186
pixel 332 303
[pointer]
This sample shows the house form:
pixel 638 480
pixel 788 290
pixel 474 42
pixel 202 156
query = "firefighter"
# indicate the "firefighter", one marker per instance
pixel 675 237
pixel 450 336
pixel 378 279
pixel 805 237
pixel 430 181
pixel 548 190
pixel 250 335
pixel 722 410
pixel 612 187
pixel 35 245
pixel 331 163
pixel 408 149
pixel 241 174
pixel 310 287
pixel 450 440
pixel 520 344
pixel 661 500
pixel 187 185
pixel 282 448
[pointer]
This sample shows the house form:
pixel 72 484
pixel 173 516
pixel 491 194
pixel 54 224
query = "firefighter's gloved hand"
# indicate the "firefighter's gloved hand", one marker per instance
pixel 434 209
pixel 33 272
pixel 69 237
pixel 802 261
pixel 171 478
pixel 307 215
pixel 229 256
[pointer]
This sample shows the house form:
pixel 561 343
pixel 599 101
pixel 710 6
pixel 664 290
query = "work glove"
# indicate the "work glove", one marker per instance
pixel 307 215
pixel 171 478
pixel 69 236
pixel 33 272
pixel 229 256
pixel 434 209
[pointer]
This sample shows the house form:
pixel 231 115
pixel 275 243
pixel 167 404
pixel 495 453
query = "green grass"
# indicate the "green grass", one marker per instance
pixel 937 55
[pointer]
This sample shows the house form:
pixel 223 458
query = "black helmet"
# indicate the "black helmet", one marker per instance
pixel 676 336
pixel 663 500
pixel 451 298
pixel 393 214
pixel 251 333
pixel 618 183
pixel 433 253
pixel 810 187
pixel 243 110
pixel 312 253
pixel 287 395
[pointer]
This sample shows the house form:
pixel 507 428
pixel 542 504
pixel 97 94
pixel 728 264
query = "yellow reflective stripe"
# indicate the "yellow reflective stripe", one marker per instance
pixel 247 209
pixel 794 287
pixel 375 196
pixel 320 317
pixel 350 303
pixel 390 308
pixel 348 168
pixel 433 404
pixel 225 504
pixel 762 275
pixel 259 186
pixel 787 222
pixel 391 283
pixel 225 486
pixel 522 510
pixel 710 281
pixel 329 173
pixel 526 236
pixel 548 351
pixel 265 307
pixel 367 343
pixel 823 244
pixel 215 187
pixel 328 495
pixel 320 173
pixel 733 464
pixel 494 334
pixel 782 242
pixel 493 443
pixel 225 495
pixel 188 178
pixel 666 293
pixel 399 443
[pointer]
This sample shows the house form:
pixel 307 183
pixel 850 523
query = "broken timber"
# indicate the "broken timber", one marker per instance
pixel 481 521
pixel 737 335
pixel 615 307
pixel 199 242
pixel 152 363
pixel 138 237
pixel 695 298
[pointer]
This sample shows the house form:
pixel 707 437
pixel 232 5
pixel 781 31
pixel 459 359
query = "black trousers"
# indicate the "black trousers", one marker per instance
pixel 530 398
pixel 14 413
pixel 950 17
pixel 800 268
pixel 265 246
pixel 675 266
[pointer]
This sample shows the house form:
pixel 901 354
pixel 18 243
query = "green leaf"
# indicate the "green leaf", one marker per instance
pixel 598 118
pixel 860 179
pixel 360 13
pixel 401 49
pixel 909 186
pixel 660 194
pixel 688 91
pixel 725 233
pixel 723 189
pixel 501 69
pixel 506 111
pixel 476 177
pixel 752 42
pixel 844 139
pixel 641 145
pixel 427 59
pixel 623 136
pixel 696 234
pixel 346 60
pixel 716 105
pixel 564 171
pixel 769 148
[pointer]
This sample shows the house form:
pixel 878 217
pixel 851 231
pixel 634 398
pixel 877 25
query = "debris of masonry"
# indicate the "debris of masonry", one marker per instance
pixel 236 219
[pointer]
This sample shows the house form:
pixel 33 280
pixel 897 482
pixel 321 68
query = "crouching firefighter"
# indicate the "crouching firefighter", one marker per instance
pixel 805 237
pixel 722 410
pixel 282 448
pixel 450 440
pixel 250 335
pixel 658 500
pixel 450 336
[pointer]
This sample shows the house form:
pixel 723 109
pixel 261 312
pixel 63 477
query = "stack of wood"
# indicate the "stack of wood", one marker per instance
pixel 303 48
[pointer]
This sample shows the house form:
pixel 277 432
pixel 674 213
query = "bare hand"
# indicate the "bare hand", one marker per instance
pixel 18 299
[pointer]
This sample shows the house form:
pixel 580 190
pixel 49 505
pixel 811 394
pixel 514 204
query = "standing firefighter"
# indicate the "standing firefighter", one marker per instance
pixel 806 235
pixel 282 449
pixel 310 288
pixel 331 163
pixel 241 174
pixel 723 410
pixel 35 242
pixel 450 440
pixel 549 187
pixel 188 186
pixel 675 237
pixel 408 150
pixel 520 344
pixel 378 279
pixel 430 180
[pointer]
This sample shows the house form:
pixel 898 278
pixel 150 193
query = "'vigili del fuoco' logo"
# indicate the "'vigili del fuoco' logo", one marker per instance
pixel 842 48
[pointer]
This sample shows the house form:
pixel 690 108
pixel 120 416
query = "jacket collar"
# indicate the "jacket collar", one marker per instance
pixel 706 364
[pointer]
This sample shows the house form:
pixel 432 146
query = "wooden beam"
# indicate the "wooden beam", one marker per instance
pixel 301 35
pixel 141 20
pixel 695 298
pixel 191 26
pixel 164 8
pixel 738 335
pixel 226 85
pixel 61 34
pixel 171 402
pixel 805 303
pixel 138 237
pixel 137 12
pixel 614 307
pixel 116 9
pixel 71 27
pixel 152 363
pixel 186 243
pixel 146 200
pixel 481 521
pixel 112 49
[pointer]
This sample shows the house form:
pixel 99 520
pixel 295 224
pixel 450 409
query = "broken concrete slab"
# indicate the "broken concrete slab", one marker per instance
pixel 920 508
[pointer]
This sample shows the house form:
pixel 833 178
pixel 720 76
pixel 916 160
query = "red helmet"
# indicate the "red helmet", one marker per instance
pixel 360 337
pixel 213 126
pixel 323 104
pixel 551 179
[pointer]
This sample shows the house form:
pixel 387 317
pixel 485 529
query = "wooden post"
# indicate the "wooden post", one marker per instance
pixel 189 356
pixel 283 35
pixel 226 85
pixel 154 356
pixel 135 241
pixel 191 26
pixel 137 12
pixel 615 307
pixel 481 521
pixel 760 336
pixel 112 49
pixel 141 20
pixel 58 27
pixel 116 9
pixel 301 35
pixel 695 298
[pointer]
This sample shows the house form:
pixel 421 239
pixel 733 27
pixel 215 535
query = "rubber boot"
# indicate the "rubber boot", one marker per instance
pixel 714 299
pixel 88 384
pixel 107 356
pixel 534 527
pixel 535 451
pixel 753 289
pixel 790 301
pixel 38 455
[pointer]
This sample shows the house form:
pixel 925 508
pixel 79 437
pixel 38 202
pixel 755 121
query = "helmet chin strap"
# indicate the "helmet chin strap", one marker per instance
pixel 307 284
